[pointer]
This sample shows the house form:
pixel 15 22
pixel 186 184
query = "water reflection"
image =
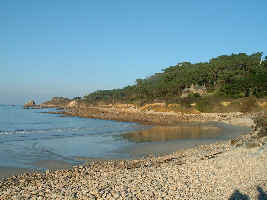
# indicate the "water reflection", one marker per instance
pixel 163 133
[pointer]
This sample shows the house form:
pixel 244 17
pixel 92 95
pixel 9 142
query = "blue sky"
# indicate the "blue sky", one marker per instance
pixel 70 48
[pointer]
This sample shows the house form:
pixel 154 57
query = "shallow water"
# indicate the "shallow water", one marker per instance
pixel 31 139
pixel 160 140
pixel 167 133
pixel 29 136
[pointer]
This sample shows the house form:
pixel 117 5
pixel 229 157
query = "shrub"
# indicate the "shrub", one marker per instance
pixel 194 95
pixel 248 104
pixel 204 105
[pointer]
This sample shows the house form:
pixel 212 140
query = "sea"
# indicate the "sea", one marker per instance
pixel 32 138
pixel 28 136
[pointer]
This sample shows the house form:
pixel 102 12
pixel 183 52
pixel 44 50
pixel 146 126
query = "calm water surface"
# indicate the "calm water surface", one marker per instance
pixel 28 137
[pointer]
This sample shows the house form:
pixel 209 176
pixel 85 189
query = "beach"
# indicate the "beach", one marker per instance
pixel 221 170
pixel 214 171
pixel 133 100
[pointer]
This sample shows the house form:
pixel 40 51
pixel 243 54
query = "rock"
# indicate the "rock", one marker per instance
pixel 236 142
pixel 264 140
pixel 56 102
pixel 72 104
pixel 250 145
pixel 30 104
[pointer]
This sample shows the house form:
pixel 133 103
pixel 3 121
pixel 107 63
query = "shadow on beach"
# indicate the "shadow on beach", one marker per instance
pixel 239 196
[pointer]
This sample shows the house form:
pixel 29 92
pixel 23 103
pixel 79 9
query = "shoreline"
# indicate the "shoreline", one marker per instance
pixel 140 150
pixel 164 119
pixel 129 113
pixel 155 118
pixel 7 172
pixel 178 173
pixel 218 170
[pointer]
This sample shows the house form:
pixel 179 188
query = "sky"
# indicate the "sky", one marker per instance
pixel 71 48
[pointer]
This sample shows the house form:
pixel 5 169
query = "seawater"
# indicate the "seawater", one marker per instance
pixel 28 136
pixel 31 138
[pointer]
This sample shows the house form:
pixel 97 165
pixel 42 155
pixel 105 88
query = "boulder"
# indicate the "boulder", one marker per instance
pixel 72 104
pixel 30 104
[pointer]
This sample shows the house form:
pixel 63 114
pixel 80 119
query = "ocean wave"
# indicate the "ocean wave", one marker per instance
pixel 29 131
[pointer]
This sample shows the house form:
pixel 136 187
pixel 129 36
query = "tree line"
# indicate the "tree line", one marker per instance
pixel 235 76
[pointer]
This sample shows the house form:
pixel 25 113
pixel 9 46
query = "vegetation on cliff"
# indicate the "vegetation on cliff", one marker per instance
pixel 57 101
pixel 227 76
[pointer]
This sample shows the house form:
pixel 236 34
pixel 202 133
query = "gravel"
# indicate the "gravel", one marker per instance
pixel 223 170
pixel 214 171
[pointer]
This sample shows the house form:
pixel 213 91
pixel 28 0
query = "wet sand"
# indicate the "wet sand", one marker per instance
pixel 52 164
pixel 12 171
pixel 41 165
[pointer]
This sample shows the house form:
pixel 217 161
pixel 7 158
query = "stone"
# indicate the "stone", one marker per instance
pixel 250 145
pixel 30 104
pixel 72 104
pixel 236 142
pixel 264 140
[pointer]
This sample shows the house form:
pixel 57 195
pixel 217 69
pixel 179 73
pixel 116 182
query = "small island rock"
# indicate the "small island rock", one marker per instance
pixel 30 104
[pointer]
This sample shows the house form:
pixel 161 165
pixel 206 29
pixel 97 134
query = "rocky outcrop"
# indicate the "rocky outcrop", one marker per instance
pixel 194 89
pixel 30 104
pixel 82 109
pixel 72 104
pixel 257 138
pixel 56 102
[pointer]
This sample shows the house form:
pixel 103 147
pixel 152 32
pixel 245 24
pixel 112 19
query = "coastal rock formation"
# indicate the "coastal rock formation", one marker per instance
pixel 257 138
pixel 56 102
pixel 72 104
pixel 30 104
pixel 152 117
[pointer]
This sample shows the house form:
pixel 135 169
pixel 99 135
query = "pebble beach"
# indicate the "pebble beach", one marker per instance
pixel 234 169
pixel 216 171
